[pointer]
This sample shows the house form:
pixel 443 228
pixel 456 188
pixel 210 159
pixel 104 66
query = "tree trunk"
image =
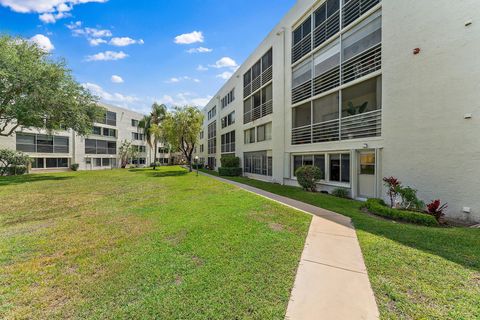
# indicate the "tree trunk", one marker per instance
pixel 155 155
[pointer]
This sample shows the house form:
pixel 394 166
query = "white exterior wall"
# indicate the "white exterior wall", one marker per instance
pixel 426 142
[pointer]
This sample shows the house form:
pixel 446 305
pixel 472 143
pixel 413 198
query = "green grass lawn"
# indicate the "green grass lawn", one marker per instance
pixel 416 272
pixel 137 244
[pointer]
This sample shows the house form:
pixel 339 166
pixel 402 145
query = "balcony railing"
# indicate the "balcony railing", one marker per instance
pixel 228 147
pixel 267 75
pixel 258 112
pixel 302 92
pixel 302 48
pixel 368 124
pixel 326 29
pixel 259 81
pixel 362 64
pixel 326 81
pixel 354 9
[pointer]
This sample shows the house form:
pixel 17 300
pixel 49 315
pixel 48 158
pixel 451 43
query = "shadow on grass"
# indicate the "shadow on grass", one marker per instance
pixel 459 245
pixel 162 172
pixel 13 180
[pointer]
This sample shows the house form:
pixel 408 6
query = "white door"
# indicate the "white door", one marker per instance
pixel 366 174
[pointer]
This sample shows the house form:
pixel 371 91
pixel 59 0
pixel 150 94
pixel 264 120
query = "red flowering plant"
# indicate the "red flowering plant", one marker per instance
pixel 436 208
pixel 393 185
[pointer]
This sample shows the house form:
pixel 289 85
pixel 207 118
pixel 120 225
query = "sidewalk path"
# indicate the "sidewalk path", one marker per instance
pixel 332 280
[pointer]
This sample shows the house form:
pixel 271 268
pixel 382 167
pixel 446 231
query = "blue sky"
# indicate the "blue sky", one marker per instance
pixel 134 52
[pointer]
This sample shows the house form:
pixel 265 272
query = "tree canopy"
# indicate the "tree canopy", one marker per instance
pixel 182 128
pixel 37 91
pixel 152 127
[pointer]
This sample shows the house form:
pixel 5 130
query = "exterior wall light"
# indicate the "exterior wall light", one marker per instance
pixel 416 51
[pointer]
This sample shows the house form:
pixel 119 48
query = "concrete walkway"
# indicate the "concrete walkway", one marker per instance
pixel 332 280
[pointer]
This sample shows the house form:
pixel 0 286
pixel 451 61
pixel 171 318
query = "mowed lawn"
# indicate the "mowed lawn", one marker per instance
pixel 143 244
pixel 416 272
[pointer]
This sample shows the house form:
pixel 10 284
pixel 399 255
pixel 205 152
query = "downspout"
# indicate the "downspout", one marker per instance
pixel 283 31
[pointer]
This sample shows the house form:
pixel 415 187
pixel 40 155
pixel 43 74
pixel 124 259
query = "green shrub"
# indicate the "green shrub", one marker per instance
pixel 410 200
pixel 308 176
pixel 230 172
pixel 13 171
pixel 13 162
pixel 74 166
pixel 379 208
pixel 230 162
pixel 341 193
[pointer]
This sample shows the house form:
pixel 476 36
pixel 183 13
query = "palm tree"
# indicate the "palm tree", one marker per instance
pixel 151 126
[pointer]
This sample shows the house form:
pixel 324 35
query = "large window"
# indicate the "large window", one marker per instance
pixel 109 118
pixel 260 74
pixel 264 132
pixel 212 113
pixel 138 136
pixel 363 97
pixel 228 98
pixel 302 43
pixel 309 160
pixel 212 137
pixel 302 115
pixel 258 105
pixel 257 163
pixel 93 146
pixel 41 143
pixel 364 36
pixel 326 108
pixel 135 123
pixel 340 167
pixel 228 120
pixel 250 136
pixel 228 142
pixel 49 163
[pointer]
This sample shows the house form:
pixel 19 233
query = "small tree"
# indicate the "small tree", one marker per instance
pixel 308 177
pixel 392 184
pixel 182 128
pixel 126 151
pixel 13 162
pixel 36 91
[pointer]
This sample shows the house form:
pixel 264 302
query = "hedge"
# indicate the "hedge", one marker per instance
pixel 378 207
pixel 13 170
pixel 230 172
pixel 230 162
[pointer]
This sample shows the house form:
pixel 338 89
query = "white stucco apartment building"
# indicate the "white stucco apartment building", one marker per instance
pixel 363 89
pixel 100 150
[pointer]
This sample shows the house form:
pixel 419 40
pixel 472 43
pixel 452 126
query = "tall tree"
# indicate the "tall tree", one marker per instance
pixel 37 91
pixel 182 128
pixel 151 126
pixel 127 151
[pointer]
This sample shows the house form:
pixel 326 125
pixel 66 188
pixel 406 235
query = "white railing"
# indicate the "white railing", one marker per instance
pixel 302 48
pixel 354 9
pixel 258 112
pixel 362 64
pixel 326 29
pixel 367 124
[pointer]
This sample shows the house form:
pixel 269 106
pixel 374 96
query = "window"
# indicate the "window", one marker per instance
pixel 140 149
pixel 364 36
pixel 302 31
pixel 367 163
pixel 109 118
pixel 212 113
pixel 302 115
pixel 247 78
pixel 97 131
pixel 326 108
pixel 309 160
pixel 363 97
pixel 250 136
pixel 267 60
pixel 135 123
pixel 340 167
pixel 264 132
pixel 201 148
pixel 98 162
pixel 327 58
pixel 256 70
pixel 41 143
pixel 329 8
pixel 201 134
pixel 93 146
pixel 228 142
pixel 212 137
pixel 38 163
pixel 105 162
pixel 228 120
pixel 302 73
pixel 55 163
pixel 109 132
pixel 138 136
pixel 257 163
pixel 228 98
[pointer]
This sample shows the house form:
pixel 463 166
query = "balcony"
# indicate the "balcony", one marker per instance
pixel 303 47
pixel 362 64
pixel 258 112
pixel 326 29
pixel 364 125
pixel 258 82
pixel 354 9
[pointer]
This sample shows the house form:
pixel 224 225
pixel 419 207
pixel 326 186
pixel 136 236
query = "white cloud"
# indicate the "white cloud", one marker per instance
pixel 116 79
pixel 43 42
pixel 225 75
pixel 184 99
pixel 225 62
pixel 189 38
pixel 95 42
pixel 199 50
pixel 107 56
pixel 50 10
pixel 74 25
pixel 124 41
pixel 201 68
pixel 92 32
pixel 178 79
pixel 109 97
